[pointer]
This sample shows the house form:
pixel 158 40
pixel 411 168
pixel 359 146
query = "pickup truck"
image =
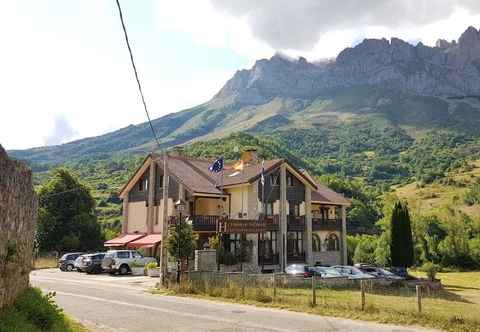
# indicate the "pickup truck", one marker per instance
pixel 120 261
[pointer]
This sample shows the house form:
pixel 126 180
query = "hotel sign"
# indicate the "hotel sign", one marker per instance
pixel 241 226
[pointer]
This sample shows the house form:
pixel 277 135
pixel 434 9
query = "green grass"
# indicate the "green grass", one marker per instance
pixel 431 198
pixel 453 309
pixel 35 312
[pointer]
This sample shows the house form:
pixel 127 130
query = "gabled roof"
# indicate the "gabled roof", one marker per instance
pixel 323 194
pixel 195 175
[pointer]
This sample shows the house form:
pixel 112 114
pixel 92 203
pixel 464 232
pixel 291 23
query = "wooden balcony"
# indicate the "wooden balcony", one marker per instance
pixel 295 223
pixel 205 223
pixel 272 223
pixel 322 224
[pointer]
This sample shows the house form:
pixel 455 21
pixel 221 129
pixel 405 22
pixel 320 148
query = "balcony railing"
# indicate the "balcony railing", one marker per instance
pixel 295 223
pixel 205 223
pixel 319 224
pixel 272 223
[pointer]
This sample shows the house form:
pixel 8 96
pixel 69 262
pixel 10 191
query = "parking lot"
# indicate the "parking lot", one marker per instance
pixel 129 281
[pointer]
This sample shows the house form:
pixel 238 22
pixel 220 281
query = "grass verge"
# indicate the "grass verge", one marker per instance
pixel 45 263
pixel 35 312
pixel 453 309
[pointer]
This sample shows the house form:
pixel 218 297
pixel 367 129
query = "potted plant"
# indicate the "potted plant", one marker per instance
pixel 152 269
pixel 138 269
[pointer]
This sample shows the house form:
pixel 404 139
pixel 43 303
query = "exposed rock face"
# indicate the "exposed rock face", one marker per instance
pixel 18 218
pixel 448 69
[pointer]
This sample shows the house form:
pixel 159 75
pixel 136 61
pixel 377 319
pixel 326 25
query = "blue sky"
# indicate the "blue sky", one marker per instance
pixel 65 72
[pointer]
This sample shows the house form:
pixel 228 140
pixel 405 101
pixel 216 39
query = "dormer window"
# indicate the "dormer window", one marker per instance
pixel 274 180
pixel 290 181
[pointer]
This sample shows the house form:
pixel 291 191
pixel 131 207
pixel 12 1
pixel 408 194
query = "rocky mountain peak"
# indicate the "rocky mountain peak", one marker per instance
pixel 449 69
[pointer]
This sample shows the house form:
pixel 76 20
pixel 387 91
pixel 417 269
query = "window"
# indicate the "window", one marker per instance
pixel 294 243
pixel 232 242
pixel 316 243
pixel 123 254
pixel 269 207
pixel 268 245
pixel 293 209
pixel 136 255
pixel 290 181
pixel 274 180
pixel 140 185
pixel 333 243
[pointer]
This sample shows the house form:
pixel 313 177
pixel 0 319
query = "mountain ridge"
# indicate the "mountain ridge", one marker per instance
pixel 419 87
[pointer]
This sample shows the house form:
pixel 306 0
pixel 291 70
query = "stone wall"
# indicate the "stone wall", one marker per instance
pixel 18 217
pixel 205 260
pixel 327 257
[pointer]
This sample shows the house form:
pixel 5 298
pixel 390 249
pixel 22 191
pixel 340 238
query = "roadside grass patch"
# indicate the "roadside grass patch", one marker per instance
pixel 455 308
pixel 35 312
pixel 45 263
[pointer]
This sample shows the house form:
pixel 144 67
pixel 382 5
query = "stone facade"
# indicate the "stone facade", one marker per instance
pixel 18 217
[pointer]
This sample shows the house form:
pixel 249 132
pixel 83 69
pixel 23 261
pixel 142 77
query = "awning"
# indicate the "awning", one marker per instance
pixel 148 241
pixel 123 240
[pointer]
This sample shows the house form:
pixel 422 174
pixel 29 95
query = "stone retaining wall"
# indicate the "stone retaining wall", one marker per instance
pixel 18 217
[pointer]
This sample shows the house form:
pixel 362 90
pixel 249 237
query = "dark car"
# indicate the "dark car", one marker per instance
pixel 379 272
pixel 66 262
pixel 299 269
pixel 93 263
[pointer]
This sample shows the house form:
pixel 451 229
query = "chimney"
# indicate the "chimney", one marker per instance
pixel 250 156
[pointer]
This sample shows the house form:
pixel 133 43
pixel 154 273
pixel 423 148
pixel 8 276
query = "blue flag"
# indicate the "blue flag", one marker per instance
pixel 217 166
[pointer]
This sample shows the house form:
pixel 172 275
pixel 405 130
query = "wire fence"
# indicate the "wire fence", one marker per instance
pixel 420 302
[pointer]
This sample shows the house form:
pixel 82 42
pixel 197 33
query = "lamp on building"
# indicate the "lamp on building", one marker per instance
pixel 180 207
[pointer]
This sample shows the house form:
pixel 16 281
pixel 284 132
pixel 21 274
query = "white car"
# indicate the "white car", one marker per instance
pixel 352 272
pixel 77 264
pixel 121 260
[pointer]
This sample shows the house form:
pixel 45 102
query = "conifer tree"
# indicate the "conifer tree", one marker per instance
pixel 401 246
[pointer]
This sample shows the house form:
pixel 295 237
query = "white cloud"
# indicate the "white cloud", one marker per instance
pixel 68 59
pixel 62 131
pixel 73 65
pixel 211 27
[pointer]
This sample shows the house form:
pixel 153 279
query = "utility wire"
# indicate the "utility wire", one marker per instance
pixel 136 73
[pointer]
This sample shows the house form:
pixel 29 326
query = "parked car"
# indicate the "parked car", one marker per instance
pixel 379 272
pixel 326 272
pixel 79 262
pixel 92 263
pixel 121 260
pixel 67 261
pixel 352 272
pixel 299 269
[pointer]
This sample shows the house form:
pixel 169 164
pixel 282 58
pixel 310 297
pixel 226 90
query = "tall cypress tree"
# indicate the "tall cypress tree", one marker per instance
pixel 401 246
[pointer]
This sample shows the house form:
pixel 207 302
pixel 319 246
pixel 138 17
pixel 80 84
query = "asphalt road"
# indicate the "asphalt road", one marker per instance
pixel 108 303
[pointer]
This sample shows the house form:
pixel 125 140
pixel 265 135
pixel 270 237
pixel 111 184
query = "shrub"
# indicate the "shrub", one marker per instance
pixel 39 309
pixel 261 296
pixel 431 270
pixel 151 265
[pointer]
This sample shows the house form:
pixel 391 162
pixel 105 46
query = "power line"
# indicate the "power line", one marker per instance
pixel 136 73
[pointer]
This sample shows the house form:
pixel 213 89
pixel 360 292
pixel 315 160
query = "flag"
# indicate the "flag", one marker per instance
pixel 263 173
pixel 217 166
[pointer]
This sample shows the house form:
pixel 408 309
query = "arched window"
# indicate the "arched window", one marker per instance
pixel 316 243
pixel 333 244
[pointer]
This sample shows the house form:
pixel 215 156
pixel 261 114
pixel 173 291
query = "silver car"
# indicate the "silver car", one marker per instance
pixel 352 272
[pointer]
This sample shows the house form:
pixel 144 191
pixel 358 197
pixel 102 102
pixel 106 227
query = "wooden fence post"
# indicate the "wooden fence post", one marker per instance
pixel 419 298
pixel 314 291
pixel 274 286
pixel 243 283
pixel 362 290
